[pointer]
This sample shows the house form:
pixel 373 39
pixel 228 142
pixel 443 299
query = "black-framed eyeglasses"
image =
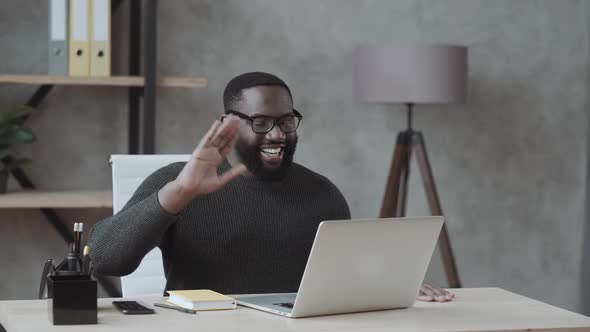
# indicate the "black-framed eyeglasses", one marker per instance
pixel 262 124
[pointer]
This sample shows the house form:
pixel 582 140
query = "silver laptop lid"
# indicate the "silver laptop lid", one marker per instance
pixel 366 265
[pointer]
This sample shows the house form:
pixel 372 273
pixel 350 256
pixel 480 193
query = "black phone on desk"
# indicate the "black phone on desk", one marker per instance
pixel 132 308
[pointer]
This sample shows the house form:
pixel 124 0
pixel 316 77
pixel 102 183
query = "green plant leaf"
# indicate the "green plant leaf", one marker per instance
pixel 7 134
pixel 16 135
pixel 13 132
pixel 4 153
pixel 24 135
pixel 17 115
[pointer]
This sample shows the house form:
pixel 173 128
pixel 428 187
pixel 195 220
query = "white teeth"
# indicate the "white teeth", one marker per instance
pixel 271 150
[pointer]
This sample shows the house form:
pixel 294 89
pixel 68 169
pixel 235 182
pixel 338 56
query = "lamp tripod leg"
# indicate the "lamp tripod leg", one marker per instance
pixel 405 174
pixel 390 207
pixel 435 208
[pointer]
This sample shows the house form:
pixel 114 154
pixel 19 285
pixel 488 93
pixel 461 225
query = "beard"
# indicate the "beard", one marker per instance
pixel 250 156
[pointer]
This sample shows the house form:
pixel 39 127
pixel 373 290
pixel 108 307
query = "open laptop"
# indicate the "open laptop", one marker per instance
pixel 359 265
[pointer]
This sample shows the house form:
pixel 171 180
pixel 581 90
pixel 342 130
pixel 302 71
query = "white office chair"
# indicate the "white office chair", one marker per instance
pixel 129 171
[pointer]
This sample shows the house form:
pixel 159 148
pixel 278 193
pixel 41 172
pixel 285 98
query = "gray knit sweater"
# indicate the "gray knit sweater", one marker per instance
pixel 249 237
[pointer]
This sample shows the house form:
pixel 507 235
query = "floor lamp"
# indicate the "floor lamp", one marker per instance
pixel 412 74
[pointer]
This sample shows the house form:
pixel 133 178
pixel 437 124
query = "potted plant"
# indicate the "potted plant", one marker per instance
pixel 12 133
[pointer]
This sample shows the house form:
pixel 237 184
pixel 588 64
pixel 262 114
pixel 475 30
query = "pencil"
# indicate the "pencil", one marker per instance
pixel 173 307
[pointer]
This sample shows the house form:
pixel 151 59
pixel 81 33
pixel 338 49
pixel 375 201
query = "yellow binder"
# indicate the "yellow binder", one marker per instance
pixel 100 38
pixel 79 60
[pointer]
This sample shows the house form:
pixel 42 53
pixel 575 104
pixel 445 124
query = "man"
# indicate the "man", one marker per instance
pixel 239 216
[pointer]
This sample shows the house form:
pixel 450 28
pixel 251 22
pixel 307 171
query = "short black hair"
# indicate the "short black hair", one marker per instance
pixel 233 91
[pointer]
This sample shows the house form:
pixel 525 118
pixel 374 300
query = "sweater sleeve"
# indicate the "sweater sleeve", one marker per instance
pixel 119 243
pixel 339 209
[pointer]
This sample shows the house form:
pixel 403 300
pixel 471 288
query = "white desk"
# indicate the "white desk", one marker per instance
pixel 479 309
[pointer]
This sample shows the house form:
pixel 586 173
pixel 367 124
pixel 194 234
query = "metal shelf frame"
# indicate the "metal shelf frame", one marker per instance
pixel 141 134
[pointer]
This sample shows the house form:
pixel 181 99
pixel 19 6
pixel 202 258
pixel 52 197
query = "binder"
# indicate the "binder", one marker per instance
pixel 58 38
pixel 100 38
pixel 79 60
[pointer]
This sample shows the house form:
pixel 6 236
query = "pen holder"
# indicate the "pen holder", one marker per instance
pixel 72 299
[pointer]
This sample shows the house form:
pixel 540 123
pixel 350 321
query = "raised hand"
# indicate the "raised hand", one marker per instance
pixel 199 175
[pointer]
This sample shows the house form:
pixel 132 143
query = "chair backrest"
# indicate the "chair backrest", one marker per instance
pixel 129 171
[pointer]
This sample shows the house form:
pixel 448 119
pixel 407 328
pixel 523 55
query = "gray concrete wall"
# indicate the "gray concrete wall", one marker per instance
pixel 510 165
pixel 585 275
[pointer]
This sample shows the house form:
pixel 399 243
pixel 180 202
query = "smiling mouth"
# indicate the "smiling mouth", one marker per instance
pixel 272 151
pixel 272 155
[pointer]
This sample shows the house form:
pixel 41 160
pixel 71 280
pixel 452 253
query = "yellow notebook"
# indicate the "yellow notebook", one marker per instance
pixel 201 299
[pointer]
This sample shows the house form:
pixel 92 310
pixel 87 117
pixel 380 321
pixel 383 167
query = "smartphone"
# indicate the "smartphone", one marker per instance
pixel 132 308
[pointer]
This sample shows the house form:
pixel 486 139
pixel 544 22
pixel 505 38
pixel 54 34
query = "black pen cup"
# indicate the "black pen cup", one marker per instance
pixel 72 299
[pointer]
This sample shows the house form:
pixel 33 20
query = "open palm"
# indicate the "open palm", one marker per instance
pixel 199 175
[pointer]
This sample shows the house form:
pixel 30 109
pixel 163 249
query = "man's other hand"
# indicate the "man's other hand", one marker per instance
pixel 430 293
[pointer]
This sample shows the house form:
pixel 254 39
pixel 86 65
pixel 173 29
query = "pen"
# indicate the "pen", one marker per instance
pixel 86 261
pixel 44 275
pixel 173 307
pixel 77 237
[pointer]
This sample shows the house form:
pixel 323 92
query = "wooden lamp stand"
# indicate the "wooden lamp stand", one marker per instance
pixel 394 204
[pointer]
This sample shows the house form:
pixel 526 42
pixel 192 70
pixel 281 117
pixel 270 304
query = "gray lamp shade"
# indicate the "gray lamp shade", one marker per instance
pixel 410 73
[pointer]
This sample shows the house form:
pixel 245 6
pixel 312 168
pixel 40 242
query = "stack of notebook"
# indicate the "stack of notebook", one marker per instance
pixel 201 299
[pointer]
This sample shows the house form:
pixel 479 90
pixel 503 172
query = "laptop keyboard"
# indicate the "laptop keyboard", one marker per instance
pixel 285 305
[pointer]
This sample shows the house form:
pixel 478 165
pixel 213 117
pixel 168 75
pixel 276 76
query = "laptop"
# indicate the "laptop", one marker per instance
pixel 357 266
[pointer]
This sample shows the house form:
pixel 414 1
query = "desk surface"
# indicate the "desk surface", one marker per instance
pixel 477 309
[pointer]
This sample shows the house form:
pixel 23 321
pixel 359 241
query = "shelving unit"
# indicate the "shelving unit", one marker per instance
pixel 142 83
pixel 122 81
pixel 33 199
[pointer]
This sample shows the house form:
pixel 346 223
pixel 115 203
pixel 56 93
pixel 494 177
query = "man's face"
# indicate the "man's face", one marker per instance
pixel 267 156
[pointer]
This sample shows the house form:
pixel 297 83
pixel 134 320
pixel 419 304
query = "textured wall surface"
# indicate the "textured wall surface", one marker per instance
pixel 510 165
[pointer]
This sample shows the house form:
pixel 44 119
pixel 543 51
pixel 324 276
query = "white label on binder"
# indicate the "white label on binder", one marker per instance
pixel 58 20
pixel 100 21
pixel 80 19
